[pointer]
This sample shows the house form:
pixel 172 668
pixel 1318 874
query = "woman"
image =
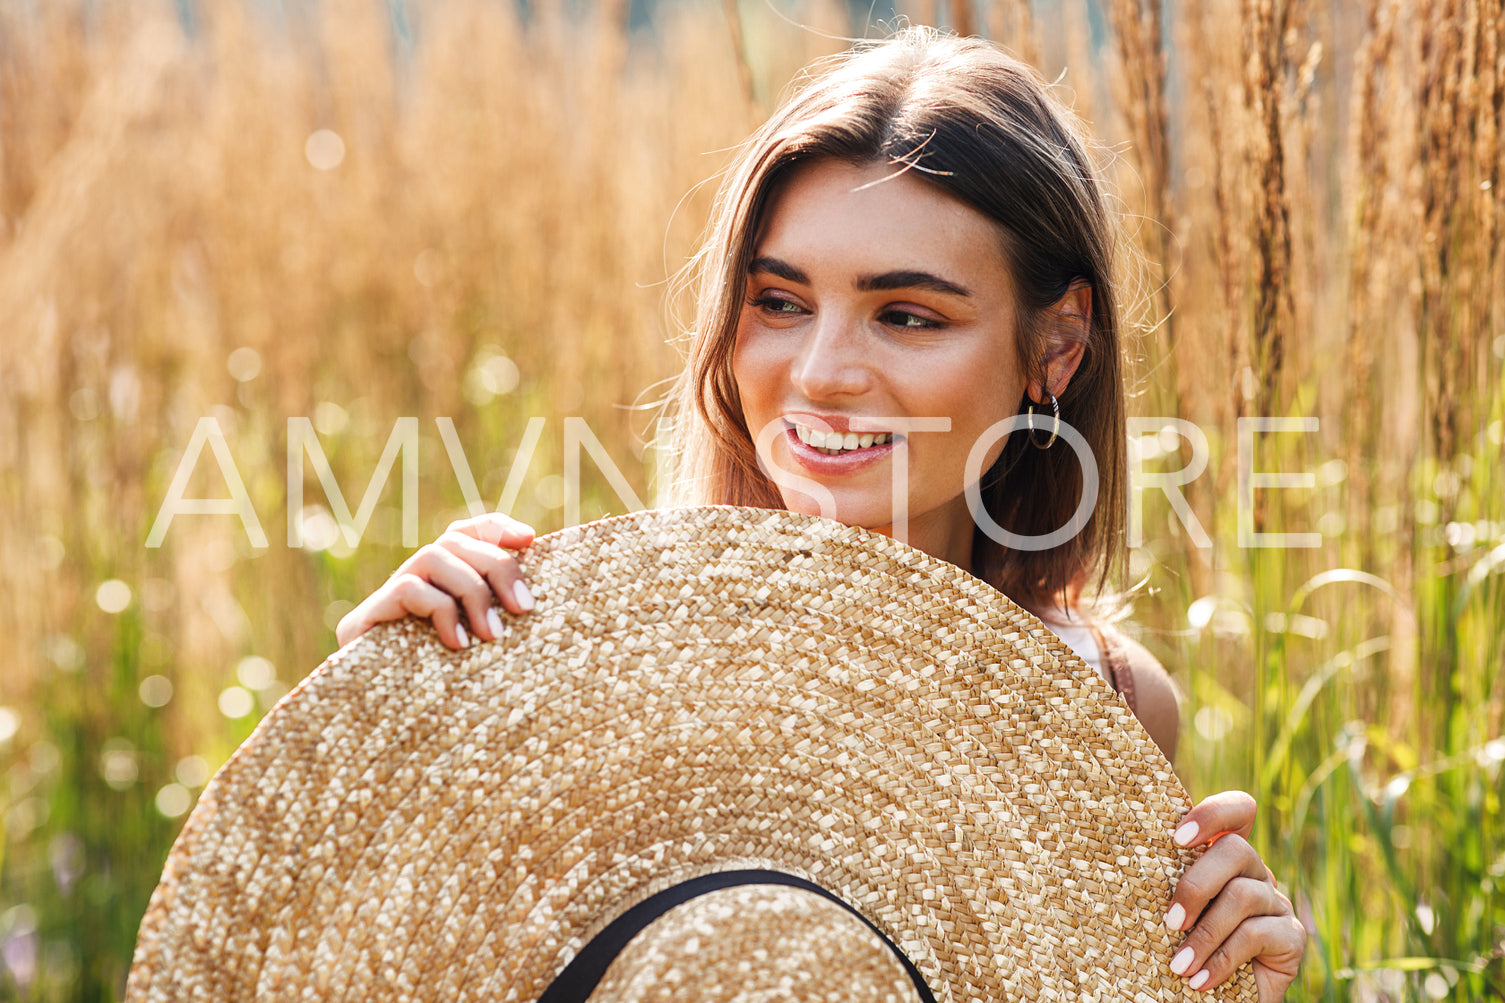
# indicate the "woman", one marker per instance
pixel 912 251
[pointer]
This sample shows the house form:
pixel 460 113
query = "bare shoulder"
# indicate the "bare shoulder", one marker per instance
pixel 1156 703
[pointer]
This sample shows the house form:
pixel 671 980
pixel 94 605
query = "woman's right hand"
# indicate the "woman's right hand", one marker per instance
pixel 468 568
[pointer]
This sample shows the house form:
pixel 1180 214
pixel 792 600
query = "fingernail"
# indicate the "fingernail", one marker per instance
pixel 460 633
pixel 494 622
pixel 1175 917
pixel 1200 979
pixel 523 596
pixel 1186 833
pixel 1182 961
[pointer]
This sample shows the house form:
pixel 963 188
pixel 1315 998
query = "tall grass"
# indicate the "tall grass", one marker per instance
pixel 345 214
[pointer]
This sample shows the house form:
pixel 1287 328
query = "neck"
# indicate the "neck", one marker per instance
pixel 945 533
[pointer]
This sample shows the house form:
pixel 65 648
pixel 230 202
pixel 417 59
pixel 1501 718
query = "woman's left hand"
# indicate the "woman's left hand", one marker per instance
pixel 1229 903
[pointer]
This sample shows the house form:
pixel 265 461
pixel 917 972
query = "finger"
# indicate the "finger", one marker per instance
pixel 443 568
pixel 496 529
pixel 403 595
pixel 500 570
pixel 1274 943
pixel 1228 811
pixel 352 625
pixel 1231 857
pixel 1241 899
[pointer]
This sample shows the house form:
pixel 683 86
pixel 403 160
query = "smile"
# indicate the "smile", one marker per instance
pixel 837 443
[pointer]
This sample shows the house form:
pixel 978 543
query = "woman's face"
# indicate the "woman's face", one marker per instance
pixel 876 304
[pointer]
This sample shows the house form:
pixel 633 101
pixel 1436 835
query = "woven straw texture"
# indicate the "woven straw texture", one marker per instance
pixel 753 944
pixel 698 690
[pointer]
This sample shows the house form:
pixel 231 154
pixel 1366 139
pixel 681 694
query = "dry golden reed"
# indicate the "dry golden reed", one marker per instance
pixel 325 210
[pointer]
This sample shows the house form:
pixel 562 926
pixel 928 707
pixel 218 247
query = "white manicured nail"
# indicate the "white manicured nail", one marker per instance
pixel 1186 834
pixel 523 596
pixel 494 622
pixel 1175 917
pixel 1182 961
pixel 464 638
pixel 1200 979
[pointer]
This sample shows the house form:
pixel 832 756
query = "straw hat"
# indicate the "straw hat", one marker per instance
pixel 879 769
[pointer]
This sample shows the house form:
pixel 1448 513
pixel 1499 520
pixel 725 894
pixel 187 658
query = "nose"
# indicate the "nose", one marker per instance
pixel 832 362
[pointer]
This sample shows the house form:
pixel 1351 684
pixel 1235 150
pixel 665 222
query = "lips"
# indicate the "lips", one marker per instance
pixel 808 451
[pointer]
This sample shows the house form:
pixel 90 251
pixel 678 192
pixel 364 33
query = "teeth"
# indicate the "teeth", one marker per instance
pixel 834 443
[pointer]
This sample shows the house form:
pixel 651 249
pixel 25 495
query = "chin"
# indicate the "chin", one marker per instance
pixel 850 511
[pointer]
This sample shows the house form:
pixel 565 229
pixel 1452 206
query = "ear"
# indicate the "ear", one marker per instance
pixel 1068 323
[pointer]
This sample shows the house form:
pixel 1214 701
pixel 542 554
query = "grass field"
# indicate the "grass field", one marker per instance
pixel 352 212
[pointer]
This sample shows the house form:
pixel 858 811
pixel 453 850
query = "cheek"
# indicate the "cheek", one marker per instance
pixel 983 404
pixel 743 384
pixel 750 373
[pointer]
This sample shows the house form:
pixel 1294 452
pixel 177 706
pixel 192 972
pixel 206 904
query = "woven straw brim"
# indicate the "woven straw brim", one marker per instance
pixel 698 690
pixel 757 943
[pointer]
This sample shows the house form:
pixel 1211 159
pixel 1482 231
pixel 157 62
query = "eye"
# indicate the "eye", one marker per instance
pixel 909 320
pixel 775 305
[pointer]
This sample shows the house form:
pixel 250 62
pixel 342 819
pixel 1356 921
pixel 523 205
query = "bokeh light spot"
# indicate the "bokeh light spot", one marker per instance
pixel 426 267
pixel 155 691
pixel 1397 787
pixel 1199 613
pixel 1331 524
pixel 255 673
pixel 492 376
pixel 320 530
pixel 66 653
pixel 24 816
pixel 335 612
pixel 10 723
pixel 244 364
pixel 274 692
pixel 1212 723
pixel 174 800
pixel 236 702
pixel 117 763
pixel 113 596
pixel 330 418
pixel 325 149
pixel 192 771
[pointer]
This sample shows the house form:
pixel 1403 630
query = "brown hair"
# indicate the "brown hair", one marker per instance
pixel 985 129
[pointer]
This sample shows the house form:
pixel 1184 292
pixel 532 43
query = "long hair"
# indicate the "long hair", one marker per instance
pixel 985 129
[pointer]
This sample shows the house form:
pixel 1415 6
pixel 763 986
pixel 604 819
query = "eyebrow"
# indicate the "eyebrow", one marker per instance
pixel 909 280
pixel 904 279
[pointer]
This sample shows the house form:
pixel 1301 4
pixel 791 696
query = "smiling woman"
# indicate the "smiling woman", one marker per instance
pixel 984 275
pixel 909 253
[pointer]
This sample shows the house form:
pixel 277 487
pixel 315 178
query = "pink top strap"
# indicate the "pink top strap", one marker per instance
pixel 1116 661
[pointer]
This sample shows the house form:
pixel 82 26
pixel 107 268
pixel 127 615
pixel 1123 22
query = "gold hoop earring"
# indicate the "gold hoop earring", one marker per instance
pixel 1055 424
